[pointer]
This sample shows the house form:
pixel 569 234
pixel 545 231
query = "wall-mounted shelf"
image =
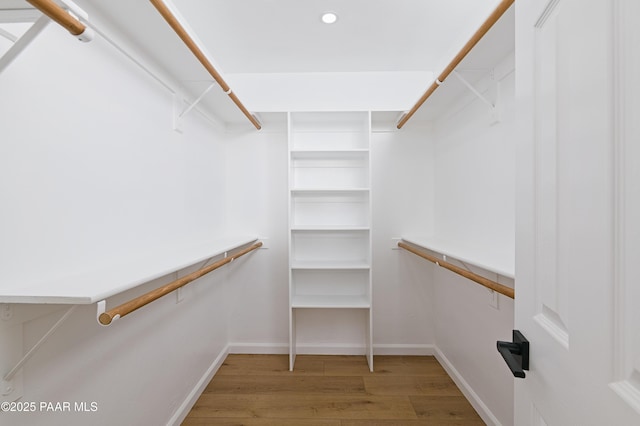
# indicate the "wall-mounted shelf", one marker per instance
pixel 341 154
pixel 501 262
pixel 318 264
pixel 329 228
pixel 328 191
pixel 94 286
pixel 334 302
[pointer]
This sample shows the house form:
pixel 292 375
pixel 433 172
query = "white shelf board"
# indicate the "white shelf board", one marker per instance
pixel 329 301
pixel 332 153
pixel 93 286
pixel 501 262
pixel 329 228
pixel 325 131
pixel 317 264
pixel 320 191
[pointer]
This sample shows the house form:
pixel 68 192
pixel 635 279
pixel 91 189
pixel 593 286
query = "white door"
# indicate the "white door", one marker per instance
pixel 578 211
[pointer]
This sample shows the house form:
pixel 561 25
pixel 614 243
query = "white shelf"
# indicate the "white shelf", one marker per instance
pixel 335 246
pixel 314 153
pixel 347 155
pixel 326 302
pixel 328 191
pixel 316 264
pixel 330 169
pixel 320 131
pixel 329 228
pixel 499 261
pixel 93 286
pixel 323 209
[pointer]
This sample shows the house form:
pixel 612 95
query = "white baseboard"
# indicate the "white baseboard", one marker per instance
pixel 259 348
pixel 186 406
pixel 403 349
pixel 335 349
pixel 483 411
pixel 302 349
pixel 330 349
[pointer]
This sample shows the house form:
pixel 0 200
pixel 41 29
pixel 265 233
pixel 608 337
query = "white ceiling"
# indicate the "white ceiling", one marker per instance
pixel 287 36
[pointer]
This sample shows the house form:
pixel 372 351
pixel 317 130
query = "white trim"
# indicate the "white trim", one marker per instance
pixel 619 175
pixel 625 373
pixel 183 410
pixel 259 348
pixel 330 349
pixel 483 411
pixel 553 326
pixel 321 349
pixel 404 349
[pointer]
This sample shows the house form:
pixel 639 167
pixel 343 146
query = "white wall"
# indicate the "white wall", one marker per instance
pixel 475 207
pixel 257 203
pixel 403 194
pixel 330 91
pixel 474 172
pixel 91 175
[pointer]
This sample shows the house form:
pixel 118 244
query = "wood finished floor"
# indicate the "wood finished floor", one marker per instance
pixel 259 390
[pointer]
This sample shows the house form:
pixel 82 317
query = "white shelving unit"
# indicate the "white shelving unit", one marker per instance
pixel 329 216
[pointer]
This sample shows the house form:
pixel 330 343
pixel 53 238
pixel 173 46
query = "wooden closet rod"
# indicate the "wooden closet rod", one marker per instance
pixel 59 15
pixel 182 33
pixel 126 308
pixel 484 28
pixel 502 289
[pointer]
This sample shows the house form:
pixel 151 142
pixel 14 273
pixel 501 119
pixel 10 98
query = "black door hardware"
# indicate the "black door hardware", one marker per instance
pixel 516 354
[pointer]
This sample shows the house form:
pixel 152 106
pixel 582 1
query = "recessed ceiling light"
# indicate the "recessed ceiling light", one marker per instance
pixel 329 17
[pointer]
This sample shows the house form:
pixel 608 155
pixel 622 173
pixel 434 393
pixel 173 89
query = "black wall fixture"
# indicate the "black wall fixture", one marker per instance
pixel 516 354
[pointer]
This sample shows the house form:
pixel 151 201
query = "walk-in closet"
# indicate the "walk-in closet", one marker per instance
pixel 319 212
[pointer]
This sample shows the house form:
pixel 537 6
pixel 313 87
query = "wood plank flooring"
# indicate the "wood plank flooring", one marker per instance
pixel 259 390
